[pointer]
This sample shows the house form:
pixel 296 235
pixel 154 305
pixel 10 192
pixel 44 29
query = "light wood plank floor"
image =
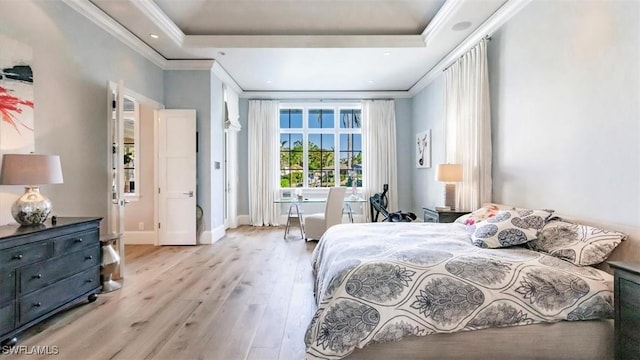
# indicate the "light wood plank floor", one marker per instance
pixel 248 296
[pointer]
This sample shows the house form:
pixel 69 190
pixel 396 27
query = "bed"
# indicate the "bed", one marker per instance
pixel 378 283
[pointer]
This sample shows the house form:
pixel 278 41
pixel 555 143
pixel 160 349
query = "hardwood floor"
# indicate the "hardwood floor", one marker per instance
pixel 248 296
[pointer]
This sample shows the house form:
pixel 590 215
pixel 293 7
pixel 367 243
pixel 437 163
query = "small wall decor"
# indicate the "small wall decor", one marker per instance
pixel 423 149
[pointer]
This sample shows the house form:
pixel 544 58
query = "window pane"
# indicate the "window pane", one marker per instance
pixel 321 119
pixel 296 142
pixel 350 119
pixel 296 118
pixel 327 142
pixel 284 119
pixel 290 118
pixel 291 160
pixel 351 142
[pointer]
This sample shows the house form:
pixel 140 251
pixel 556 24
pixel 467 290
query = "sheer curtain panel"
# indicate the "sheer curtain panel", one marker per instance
pixel 468 126
pixel 379 149
pixel 263 162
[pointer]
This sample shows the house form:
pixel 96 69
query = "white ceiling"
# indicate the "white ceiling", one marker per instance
pixel 306 45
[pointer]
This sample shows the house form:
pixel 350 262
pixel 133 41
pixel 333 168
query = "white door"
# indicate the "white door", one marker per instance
pixel 116 164
pixel 177 177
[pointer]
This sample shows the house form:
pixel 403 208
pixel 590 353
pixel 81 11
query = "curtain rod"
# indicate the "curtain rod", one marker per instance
pixel 320 100
pixel 488 38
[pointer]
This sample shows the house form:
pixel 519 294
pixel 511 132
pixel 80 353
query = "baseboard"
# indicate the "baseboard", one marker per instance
pixel 205 237
pixel 139 238
pixel 243 220
pixel 218 233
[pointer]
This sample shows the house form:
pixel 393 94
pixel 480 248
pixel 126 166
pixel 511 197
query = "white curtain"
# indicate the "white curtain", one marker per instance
pixel 379 149
pixel 468 126
pixel 263 162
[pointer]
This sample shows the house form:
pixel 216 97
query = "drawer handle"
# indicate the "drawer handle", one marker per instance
pixel 17 257
pixel 37 304
pixel 88 257
pixel 39 276
pixel 79 240
pixel 88 281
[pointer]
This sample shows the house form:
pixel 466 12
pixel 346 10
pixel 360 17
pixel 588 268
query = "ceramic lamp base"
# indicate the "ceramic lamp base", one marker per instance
pixel 32 208
pixel 450 195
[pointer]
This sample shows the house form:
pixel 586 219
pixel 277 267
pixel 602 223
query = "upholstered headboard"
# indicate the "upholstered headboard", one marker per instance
pixel 628 250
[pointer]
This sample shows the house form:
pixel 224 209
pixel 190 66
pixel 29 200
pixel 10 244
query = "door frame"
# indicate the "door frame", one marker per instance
pixel 155 106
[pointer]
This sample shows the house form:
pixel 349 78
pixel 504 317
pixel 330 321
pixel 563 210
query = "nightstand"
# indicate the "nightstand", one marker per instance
pixel 442 216
pixel 627 305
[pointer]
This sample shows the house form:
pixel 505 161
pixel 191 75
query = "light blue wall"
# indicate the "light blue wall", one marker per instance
pixel 73 59
pixel 191 89
pixel 564 80
pixel 428 113
pixel 565 85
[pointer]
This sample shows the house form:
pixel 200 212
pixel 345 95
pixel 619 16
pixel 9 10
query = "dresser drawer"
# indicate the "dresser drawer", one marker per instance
pixel 40 302
pixel 18 256
pixel 7 312
pixel 7 286
pixel 37 276
pixel 74 242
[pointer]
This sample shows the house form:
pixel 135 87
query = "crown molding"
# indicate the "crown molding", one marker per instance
pixel 118 31
pixel 188 65
pixel 160 19
pixel 210 65
pixel 492 24
pixel 224 76
pixel 435 25
pixel 325 95
pixel 302 41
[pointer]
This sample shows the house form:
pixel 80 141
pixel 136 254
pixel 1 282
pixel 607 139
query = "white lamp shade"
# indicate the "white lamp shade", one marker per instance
pixel 449 172
pixel 30 169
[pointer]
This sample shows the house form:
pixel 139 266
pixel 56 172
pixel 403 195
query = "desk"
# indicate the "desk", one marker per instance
pixel 295 214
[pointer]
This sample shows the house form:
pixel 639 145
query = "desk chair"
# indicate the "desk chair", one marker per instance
pixel 316 224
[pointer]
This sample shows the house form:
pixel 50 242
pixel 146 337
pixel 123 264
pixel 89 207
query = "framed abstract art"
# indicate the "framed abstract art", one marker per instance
pixel 423 149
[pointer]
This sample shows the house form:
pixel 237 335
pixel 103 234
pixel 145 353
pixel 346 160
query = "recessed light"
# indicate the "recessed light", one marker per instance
pixel 269 81
pixel 386 53
pixel 462 25
pixel 370 81
pixel 154 36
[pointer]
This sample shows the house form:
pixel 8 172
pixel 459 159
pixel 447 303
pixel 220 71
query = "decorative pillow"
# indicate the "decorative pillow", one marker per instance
pixel 509 228
pixel 577 243
pixel 483 213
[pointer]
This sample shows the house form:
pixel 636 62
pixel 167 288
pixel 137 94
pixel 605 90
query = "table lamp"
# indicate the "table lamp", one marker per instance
pixel 449 174
pixel 30 170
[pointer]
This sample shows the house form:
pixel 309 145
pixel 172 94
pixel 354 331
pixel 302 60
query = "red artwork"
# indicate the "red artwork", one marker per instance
pixel 10 106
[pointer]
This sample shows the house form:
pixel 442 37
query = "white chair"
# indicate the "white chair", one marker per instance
pixel 316 224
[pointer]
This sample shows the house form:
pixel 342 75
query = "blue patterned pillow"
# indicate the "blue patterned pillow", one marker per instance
pixel 509 228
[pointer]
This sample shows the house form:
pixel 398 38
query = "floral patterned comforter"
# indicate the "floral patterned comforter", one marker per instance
pixel 380 282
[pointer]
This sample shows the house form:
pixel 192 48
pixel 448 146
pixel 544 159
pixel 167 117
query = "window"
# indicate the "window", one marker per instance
pixel 312 137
